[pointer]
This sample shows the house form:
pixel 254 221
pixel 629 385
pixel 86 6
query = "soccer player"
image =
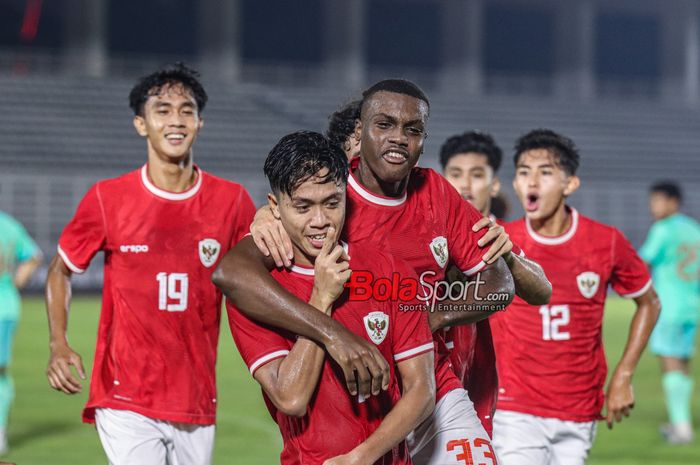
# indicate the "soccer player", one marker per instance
pixel 19 259
pixel 415 215
pixel 551 362
pixel 672 249
pixel 470 162
pixel 341 128
pixel 307 398
pixel 163 229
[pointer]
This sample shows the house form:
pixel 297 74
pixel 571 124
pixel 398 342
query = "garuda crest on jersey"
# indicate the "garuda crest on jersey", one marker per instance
pixel 209 251
pixel 377 326
pixel 588 283
pixel 438 247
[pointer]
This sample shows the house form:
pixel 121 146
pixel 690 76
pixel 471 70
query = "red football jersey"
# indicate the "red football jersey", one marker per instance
pixel 550 358
pixel 474 360
pixel 159 325
pixel 429 227
pixel 335 422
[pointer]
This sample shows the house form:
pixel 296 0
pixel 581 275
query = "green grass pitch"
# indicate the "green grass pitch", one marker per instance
pixel 45 426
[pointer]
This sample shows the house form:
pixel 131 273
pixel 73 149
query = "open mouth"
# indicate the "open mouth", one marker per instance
pixel 395 157
pixel 532 202
pixel 317 240
pixel 175 138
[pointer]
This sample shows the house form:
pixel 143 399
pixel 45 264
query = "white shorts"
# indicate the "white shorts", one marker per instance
pixel 452 435
pixel 522 439
pixel 129 438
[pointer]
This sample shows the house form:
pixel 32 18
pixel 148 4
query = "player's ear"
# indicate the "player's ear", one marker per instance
pixel 200 123
pixel 495 186
pixel 571 185
pixel 358 130
pixel 274 205
pixel 140 125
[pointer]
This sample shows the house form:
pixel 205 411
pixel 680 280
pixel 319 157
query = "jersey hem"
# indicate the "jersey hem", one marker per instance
pixel 189 418
pixel 265 359
pixel 633 295
pixel 546 413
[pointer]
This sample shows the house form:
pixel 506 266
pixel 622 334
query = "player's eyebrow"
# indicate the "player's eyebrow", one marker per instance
pixel 385 116
pixel 296 199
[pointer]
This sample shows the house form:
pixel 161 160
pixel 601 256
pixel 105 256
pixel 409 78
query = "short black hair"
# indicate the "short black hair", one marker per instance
pixel 169 75
pixel 472 141
pixel 341 124
pixel 669 188
pixel 397 86
pixel 301 155
pixel 564 150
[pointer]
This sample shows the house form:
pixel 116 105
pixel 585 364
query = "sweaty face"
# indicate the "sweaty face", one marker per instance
pixel 662 205
pixel 473 177
pixel 541 184
pixel 308 213
pixel 170 123
pixel 392 134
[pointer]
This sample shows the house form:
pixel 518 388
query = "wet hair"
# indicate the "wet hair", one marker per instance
pixel 397 86
pixel 669 188
pixel 562 148
pixel 341 124
pixel 175 74
pixel 299 156
pixel 475 142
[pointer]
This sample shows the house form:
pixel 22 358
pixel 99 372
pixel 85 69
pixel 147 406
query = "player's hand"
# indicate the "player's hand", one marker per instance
pixel 366 371
pixel 619 399
pixel 59 373
pixel 496 236
pixel 271 238
pixel 331 269
pixel 347 459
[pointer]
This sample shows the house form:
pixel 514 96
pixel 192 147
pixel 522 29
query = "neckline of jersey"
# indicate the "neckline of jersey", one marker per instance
pixel 158 192
pixel 374 198
pixel 555 240
pixel 306 271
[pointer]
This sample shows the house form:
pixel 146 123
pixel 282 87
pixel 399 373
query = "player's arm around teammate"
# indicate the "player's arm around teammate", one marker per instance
pixel 619 398
pixel 255 292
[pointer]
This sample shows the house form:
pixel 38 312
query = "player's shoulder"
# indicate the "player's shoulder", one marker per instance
pixel 592 228
pixel 425 178
pixel 216 182
pixel 367 256
pixel 514 226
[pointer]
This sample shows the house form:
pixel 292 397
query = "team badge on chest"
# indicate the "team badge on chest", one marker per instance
pixel 377 326
pixel 209 251
pixel 588 283
pixel 438 247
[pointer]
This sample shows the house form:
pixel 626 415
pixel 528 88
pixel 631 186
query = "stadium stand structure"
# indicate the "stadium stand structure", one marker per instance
pixel 61 134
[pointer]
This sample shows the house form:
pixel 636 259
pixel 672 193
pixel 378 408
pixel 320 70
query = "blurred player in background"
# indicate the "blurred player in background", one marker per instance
pixel 341 128
pixel 19 259
pixel 551 362
pixel 305 395
pixel 470 162
pixel 672 250
pixel 413 214
pixel 162 229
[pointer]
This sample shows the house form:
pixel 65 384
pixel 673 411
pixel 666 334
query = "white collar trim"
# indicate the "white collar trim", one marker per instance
pixel 310 271
pixel 375 199
pixel 171 195
pixel 558 239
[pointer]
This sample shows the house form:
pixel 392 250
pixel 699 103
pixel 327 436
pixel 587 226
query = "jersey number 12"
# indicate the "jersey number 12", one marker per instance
pixel 172 291
pixel 553 318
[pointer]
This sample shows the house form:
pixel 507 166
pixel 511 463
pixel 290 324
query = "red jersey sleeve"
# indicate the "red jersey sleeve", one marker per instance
pixel 85 234
pixel 244 216
pixel 630 276
pixel 256 343
pixel 462 243
pixel 411 331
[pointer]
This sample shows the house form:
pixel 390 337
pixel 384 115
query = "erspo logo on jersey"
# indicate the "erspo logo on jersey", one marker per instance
pixel 423 294
pixel 133 248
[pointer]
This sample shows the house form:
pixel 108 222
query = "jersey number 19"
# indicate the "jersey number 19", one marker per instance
pixel 172 291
